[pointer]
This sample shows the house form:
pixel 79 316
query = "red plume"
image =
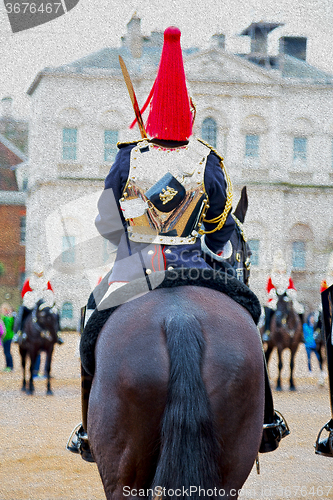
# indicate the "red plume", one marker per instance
pixel 323 286
pixel 170 115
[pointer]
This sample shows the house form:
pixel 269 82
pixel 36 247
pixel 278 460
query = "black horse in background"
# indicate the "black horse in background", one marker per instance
pixel 40 334
pixel 286 333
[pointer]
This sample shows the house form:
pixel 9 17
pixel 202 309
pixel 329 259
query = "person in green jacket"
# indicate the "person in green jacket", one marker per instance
pixel 8 321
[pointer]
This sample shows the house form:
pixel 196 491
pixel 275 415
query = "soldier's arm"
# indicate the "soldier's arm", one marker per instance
pixel 216 188
pixel 109 222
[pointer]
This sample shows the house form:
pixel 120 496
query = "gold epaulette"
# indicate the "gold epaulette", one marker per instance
pixel 220 219
pixel 128 143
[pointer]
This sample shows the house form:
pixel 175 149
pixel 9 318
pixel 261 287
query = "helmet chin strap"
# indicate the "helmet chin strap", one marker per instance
pixel 193 110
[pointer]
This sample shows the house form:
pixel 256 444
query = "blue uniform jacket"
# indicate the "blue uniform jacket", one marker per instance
pixel 132 258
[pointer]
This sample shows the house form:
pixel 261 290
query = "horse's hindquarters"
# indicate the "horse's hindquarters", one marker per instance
pixel 130 387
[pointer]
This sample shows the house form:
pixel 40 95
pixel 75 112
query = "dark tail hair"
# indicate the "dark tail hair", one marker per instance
pixel 190 451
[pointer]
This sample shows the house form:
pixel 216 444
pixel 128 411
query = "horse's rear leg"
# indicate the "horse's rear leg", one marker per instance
pixel 48 372
pixel 292 365
pixel 23 354
pixel 268 353
pixel 280 366
pixel 33 357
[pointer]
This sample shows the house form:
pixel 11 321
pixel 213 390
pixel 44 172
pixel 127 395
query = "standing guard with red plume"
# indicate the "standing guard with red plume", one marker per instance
pixel 166 203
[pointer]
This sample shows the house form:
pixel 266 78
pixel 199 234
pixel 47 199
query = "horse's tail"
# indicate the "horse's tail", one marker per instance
pixel 190 451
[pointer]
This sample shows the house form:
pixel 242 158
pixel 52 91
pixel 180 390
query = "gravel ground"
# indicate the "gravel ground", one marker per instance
pixel 34 464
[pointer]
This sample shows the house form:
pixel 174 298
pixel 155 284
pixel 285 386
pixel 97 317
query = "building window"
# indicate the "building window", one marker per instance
pixel 25 184
pixel 67 310
pixel 298 255
pixel 68 249
pixel 22 229
pixel 209 131
pixel 110 144
pixel 300 144
pixel 252 146
pixel 254 247
pixel 69 143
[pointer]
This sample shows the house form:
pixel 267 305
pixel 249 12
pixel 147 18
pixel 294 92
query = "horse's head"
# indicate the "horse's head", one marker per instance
pixel 46 318
pixel 241 253
pixel 284 308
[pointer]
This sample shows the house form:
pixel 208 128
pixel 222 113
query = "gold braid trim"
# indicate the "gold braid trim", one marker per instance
pixel 241 227
pixel 220 219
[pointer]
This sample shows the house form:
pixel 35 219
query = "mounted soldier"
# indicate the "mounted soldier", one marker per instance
pixel 166 204
pixel 279 282
pixel 36 287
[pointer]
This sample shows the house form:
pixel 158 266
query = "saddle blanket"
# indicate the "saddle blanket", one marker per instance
pixel 221 280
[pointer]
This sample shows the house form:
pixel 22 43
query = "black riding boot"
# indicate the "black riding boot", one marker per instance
pixel 325 447
pixel 275 426
pixel 78 440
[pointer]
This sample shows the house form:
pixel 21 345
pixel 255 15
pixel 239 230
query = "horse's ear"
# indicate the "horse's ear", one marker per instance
pixel 241 208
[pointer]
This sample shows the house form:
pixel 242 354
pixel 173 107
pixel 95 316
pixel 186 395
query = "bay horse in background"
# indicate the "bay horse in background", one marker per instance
pixel 286 333
pixel 40 334
pixel 177 398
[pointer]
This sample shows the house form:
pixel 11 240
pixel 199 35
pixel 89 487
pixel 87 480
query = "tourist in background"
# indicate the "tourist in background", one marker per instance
pixel 7 319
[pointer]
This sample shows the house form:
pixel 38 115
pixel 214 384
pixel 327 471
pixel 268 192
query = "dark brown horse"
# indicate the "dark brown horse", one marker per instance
pixel 177 398
pixel 40 334
pixel 286 333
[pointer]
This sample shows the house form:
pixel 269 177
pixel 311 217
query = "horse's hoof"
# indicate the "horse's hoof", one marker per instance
pixel 278 388
pixel 292 388
pixel 49 393
pixel 29 393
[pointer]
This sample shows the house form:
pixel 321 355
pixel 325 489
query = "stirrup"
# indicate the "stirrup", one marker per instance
pixel 325 447
pixel 273 433
pixel 78 443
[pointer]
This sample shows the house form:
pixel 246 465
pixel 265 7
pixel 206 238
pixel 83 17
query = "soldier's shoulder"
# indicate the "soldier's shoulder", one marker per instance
pixel 212 149
pixel 122 145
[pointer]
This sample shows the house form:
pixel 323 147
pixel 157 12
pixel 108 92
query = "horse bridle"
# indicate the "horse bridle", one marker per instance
pixel 284 319
pixel 243 262
pixel 44 333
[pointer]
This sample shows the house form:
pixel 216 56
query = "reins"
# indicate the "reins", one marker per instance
pixel 44 333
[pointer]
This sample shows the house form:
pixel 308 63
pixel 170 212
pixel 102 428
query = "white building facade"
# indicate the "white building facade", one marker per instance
pixel 273 125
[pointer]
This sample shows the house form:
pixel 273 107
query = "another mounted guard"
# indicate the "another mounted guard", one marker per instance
pixel 36 287
pixel 166 204
pixel 278 282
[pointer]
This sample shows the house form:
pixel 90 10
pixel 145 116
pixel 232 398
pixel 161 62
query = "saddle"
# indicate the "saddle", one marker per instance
pixel 221 280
